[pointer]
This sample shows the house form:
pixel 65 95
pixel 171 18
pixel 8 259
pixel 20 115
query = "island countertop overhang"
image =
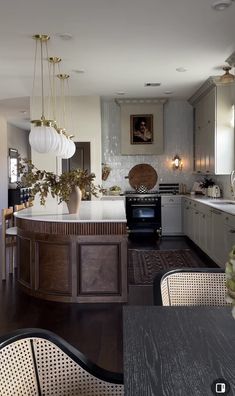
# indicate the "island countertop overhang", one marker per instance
pixel 96 211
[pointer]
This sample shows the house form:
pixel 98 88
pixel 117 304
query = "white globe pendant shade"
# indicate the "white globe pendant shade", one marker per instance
pixel 62 146
pixel 71 148
pixel 43 139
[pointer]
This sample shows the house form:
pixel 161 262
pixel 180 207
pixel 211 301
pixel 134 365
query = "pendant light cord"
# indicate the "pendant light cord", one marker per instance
pixel 34 75
pixel 43 115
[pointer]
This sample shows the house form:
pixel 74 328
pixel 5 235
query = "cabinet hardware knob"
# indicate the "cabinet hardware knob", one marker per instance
pixel 196 212
pixel 216 212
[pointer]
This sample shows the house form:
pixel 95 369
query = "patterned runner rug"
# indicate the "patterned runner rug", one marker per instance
pixel 145 264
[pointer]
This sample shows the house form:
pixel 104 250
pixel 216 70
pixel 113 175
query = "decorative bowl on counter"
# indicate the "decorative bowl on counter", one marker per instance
pixel 114 190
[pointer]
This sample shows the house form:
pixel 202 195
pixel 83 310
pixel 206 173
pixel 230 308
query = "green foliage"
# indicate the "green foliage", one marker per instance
pixel 42 182
pixel 206 182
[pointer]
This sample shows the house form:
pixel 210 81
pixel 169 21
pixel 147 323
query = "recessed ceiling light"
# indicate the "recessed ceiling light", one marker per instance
pixel 168 92
pixel 181 69
pixel 154 84
pixel 220 5
pixel 23 111
pixel 79 71
pixel 65 36
pixel 120 93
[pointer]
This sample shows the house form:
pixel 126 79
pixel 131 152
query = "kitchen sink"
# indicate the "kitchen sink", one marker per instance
pixel 222 202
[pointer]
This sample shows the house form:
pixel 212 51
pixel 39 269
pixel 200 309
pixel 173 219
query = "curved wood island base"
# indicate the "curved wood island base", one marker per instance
pixel 69 259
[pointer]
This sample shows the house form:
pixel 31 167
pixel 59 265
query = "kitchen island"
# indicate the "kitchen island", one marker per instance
pixel 73 258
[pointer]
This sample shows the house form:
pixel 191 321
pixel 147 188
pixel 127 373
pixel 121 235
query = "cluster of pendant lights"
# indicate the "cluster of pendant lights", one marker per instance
pixel 45 135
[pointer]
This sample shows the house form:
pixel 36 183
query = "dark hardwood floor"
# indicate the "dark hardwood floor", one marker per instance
pixel 95 329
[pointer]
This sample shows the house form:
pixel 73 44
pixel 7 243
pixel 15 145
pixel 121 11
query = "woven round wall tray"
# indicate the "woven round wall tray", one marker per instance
pixel 143 175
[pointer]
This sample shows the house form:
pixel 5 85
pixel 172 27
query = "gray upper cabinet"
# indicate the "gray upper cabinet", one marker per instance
pixel 214 129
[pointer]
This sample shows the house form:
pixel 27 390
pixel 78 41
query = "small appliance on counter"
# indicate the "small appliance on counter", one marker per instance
pixel 215 191
pixel 197 188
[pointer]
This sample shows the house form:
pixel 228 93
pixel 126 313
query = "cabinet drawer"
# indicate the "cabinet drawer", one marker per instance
pixel 172 199
pixel 229 219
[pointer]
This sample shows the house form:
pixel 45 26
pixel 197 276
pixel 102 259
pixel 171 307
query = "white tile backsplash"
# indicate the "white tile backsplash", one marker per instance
pixel 178 139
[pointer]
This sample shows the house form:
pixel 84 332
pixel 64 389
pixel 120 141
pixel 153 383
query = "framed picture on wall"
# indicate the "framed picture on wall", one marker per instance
pixel 141 129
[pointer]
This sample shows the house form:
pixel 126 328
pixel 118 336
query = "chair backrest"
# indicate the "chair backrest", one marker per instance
pixel 7 219
pixel 191 286
pixel 19 207
pixel 55 367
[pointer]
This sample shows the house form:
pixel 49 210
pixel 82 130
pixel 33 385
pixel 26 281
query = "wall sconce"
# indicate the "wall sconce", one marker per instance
pixel 177 162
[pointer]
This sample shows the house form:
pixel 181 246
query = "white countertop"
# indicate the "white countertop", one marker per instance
pixel 225 205
pixel 90 212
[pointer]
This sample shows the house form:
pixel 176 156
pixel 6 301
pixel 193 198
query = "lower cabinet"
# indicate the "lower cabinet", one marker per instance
pixel 218 251
pixel 229 234
pixel 205 242
pixel 211 229
pixel 171 215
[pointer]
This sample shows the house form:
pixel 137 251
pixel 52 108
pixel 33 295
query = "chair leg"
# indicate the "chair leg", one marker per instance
pixel 3 261
pixel 14 257
pixel 11 264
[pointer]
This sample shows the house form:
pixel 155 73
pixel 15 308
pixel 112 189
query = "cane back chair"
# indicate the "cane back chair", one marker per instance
pixel 38 362
pixel 190 286
pixel 9 233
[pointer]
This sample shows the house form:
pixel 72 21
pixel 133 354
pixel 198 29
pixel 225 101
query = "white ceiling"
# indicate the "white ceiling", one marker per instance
pixel 120 44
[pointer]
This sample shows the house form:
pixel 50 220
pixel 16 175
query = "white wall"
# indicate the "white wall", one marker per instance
pixel 84 124
pixel 224 184
pixel 3 164
pixel 18 139
pixel 178 139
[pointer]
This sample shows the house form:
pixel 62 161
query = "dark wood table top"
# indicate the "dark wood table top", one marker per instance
pixel 178 351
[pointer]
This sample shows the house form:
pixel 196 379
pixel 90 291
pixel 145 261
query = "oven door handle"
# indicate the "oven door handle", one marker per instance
pixel 146 205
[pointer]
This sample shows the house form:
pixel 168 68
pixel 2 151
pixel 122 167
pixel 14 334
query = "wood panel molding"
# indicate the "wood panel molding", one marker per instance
pixel 64 228
pixel 73 268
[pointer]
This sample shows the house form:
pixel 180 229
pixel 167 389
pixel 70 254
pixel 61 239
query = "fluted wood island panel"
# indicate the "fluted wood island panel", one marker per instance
pixel 74 258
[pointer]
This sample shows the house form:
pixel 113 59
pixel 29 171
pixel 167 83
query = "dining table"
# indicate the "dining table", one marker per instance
pixel 178 351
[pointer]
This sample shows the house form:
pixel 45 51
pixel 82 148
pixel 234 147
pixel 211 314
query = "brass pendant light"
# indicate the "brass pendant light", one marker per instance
pixel 43 137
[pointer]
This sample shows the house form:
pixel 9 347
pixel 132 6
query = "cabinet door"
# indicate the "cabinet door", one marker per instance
pixel 198 136
pixel 171 219
pixel 185 217
pixel 205 226
pixel 209 143
pixel 204 133
pixel 195 226
pixel 218 249
pixel 190 223
pixel 229 240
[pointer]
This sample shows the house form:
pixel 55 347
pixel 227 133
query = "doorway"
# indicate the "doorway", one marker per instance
pixel 81 158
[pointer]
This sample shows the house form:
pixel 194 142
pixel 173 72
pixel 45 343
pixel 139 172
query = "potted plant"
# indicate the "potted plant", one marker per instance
pixel 206 183
pixel 230 279
pixel 69 187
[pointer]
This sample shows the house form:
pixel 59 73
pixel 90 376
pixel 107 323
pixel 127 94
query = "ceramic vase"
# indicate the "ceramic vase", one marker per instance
pixel 74 200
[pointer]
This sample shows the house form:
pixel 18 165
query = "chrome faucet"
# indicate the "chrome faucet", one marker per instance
pixel 232 182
